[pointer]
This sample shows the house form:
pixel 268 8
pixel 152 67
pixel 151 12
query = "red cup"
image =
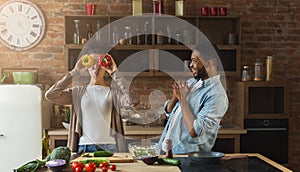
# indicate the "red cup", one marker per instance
pixel 213 11
pixel 223 11
pixel 204 11
pixel 90 8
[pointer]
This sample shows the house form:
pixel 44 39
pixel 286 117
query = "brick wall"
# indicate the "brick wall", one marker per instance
pixel 268 27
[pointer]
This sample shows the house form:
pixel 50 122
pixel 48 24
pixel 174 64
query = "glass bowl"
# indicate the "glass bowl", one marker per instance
pixel 139 150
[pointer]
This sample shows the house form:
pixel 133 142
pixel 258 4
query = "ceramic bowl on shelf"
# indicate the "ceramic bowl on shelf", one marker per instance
pixel 24 77
pixel 66 125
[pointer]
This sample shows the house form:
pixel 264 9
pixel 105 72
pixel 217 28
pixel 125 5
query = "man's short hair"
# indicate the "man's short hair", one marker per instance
pixel 209 51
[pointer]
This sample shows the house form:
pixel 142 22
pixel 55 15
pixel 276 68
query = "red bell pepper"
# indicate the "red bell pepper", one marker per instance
pixel 105 60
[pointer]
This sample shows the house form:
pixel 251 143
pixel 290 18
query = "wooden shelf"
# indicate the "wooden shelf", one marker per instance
pixel 214 27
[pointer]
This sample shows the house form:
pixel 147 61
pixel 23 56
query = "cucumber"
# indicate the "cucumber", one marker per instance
pixel 102 154
pixel 169 161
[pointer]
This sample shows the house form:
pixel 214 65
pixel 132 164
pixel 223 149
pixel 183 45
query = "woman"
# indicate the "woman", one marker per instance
pixel 95 122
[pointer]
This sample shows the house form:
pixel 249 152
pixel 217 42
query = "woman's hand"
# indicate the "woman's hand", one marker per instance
pixel 79 66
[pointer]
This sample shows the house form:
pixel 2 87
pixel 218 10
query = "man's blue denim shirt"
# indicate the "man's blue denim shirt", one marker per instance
pixel 208 104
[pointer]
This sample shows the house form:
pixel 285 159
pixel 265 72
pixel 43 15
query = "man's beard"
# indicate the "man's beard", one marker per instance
pixel 202 73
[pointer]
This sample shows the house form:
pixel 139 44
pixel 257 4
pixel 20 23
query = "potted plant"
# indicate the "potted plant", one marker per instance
pixel 90 7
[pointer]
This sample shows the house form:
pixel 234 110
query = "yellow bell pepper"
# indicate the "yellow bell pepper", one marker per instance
pixel 87 60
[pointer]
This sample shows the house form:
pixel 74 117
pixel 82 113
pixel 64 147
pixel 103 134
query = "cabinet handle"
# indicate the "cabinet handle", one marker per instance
pixel 1 135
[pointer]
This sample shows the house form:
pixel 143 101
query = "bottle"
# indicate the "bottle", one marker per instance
pixel 89 33
pixel 147 36
pixel 269 68
pixel 45 144
pixel 169 153
pixel 128 35
pixel 245 73
pixel 257 70
pixel 98 36
pixel 115 36
pixel 76 37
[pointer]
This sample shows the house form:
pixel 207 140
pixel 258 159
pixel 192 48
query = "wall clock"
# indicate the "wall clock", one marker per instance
pixel 22 24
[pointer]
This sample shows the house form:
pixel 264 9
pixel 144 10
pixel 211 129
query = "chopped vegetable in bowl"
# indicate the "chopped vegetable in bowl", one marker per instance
pixel 138 150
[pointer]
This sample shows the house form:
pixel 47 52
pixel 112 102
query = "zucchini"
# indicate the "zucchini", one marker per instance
pixel 102 154
pixel 169 161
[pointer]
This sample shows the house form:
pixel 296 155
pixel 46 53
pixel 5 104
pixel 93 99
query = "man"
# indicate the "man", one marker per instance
pixel 197 106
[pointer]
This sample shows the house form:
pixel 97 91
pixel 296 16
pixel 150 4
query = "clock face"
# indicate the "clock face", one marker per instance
pixel 22 24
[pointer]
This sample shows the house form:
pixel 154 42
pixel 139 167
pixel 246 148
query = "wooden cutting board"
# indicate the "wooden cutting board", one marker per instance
pixel 116 158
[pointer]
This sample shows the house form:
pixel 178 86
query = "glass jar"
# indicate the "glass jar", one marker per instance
pixel 128 35
pixel 257 71
pixel 157 7
pixel 245 73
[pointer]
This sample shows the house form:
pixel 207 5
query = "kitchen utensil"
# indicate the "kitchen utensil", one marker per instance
pixel 24 77
pixel 116 158
pixel 149 160
pixel 205 157
pixel 2 77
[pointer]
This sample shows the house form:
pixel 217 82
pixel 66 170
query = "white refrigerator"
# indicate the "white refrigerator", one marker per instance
pixel 20 125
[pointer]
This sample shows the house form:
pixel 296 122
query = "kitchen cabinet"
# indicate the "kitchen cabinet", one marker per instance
pixel 155 61
pixel 261 100
pixel 140 133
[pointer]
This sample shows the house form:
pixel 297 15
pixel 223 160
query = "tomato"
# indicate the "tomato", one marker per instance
pixel 104 164
pixel 104 169
pixel 112 167
pixel 78 169
pixel 74 165
pixel 90 167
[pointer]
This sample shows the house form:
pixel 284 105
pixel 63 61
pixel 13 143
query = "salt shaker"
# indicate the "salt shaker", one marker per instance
pixel 245 73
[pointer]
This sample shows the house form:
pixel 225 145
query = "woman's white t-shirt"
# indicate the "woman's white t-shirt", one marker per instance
pixel 96 106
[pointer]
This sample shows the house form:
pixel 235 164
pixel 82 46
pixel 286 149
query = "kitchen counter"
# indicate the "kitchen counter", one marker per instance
pixel 138 166
pixel 151 133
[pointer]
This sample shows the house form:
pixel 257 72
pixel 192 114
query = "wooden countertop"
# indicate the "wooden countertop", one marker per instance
pixel 138 166
pixel 151 130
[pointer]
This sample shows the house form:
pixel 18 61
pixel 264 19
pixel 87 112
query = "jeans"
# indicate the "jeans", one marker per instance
pixel 100 147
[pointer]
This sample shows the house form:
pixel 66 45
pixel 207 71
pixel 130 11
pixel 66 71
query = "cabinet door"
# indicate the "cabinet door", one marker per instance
pixel 20 125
